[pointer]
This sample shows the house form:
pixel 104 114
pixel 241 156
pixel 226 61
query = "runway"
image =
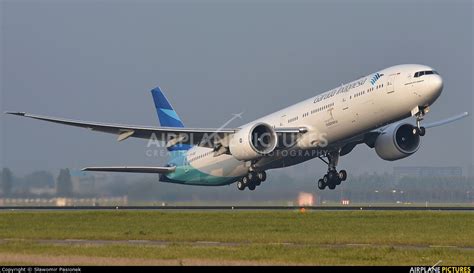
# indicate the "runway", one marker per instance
pixel 243 208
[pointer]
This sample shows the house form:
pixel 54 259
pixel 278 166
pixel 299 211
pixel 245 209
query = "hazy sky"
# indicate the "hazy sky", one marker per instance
pixel 97 60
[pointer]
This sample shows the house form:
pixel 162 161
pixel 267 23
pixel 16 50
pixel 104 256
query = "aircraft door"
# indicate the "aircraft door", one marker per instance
pixel 345 104
pixel 186 163
pixel 282 120
pixel 348 111
pixel 390 84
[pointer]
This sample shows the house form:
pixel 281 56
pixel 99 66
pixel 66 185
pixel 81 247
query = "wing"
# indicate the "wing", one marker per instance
pixel 126 169
pixel 171 135
pixel 369 138
pixel 447 120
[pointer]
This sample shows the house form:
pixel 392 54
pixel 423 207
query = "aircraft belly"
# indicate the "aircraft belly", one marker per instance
pixel 285 158
pixel 221 166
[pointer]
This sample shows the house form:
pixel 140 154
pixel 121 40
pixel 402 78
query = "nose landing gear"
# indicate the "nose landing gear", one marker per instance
pixel 421 131
pixel 419 113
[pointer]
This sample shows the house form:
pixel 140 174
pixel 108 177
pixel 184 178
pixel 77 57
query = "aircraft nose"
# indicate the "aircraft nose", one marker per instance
pixel 436 84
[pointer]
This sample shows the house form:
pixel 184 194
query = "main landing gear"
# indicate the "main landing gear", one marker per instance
pixel 333 177
pixel 251 180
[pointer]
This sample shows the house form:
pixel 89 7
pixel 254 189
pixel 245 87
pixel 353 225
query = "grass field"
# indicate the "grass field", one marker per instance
pixel 245 237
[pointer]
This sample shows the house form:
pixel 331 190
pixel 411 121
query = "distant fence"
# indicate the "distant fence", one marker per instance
pixel 61 201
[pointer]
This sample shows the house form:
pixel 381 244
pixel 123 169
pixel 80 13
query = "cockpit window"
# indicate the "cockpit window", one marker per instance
pixel 428 72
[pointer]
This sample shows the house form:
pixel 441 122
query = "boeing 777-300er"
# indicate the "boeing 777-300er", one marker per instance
pixel 367 111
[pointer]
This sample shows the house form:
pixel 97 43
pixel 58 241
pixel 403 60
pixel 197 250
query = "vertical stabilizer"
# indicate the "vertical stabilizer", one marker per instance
pixel 166 114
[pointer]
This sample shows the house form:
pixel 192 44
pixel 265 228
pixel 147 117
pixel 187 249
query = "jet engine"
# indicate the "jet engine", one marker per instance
pixel 397 141
pixel 253 141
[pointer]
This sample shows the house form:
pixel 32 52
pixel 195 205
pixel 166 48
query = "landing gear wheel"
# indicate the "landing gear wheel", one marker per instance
pixel 325 179
pixel 321 184
pixel 421 131
pixel 342 175
pixel 332 175
pixel 250 176
pixel 332 186
pixel 245 181
pixel 262 176
pixel 258 182
pixel 240 185
pixel 252 187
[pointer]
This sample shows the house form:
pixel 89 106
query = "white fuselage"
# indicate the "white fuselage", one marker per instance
pixel 339 114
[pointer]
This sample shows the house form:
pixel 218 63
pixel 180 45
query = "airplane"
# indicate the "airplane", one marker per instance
pixel 327 126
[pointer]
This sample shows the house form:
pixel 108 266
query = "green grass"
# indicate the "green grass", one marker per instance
pixel 314 233
pixel 338 227
pixel 273 254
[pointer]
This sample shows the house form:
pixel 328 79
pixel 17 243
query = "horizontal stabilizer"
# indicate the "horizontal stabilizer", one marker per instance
pixel 126 169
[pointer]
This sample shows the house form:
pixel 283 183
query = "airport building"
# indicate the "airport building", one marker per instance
pixel 85 183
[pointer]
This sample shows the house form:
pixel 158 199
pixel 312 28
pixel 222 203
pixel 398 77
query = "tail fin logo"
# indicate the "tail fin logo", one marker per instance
pixel 166 114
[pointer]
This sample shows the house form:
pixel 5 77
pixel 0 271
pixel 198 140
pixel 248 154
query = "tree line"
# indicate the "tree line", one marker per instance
pixel 365 188
pixel 14 186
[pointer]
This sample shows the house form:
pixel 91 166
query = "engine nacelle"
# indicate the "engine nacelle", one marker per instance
pixel 397 141
pixel 252 142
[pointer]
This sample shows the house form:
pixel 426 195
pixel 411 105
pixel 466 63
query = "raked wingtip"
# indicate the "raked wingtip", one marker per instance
pixel 15 113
